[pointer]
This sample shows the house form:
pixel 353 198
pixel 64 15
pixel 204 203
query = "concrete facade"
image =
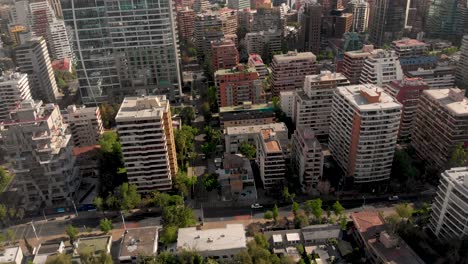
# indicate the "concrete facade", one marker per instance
pixel 85 124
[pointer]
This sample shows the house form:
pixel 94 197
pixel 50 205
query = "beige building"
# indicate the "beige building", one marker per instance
pixel 307 157
pixel 289 70
pixel 85 124
pixel 255 41
pixel 39 146
pixel 353 63
pixel 145 129
pixel 228 19
pixel 14 88
pixel 137 242
pixel 363 131
pixel 441 125
pixel 313 103
pixel 380 68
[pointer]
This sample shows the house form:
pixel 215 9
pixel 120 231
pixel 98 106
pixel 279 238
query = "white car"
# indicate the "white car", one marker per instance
pixel 393 198
pixel 256 206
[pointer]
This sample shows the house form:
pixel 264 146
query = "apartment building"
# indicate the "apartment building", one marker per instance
pixel 265 19
pixel 224 54
pixel 336 24
pixel 256 61
pixel 246 114
pixel 270 158
pixel 462 65
pixel 255 41
pixel 59 41
pixel 207 28
pixel 201 6
pixel 313 103
pixel 33 58
pixel 363 131
pixel 144 126
pixel 286 100
pixel 238 85
pixel 407 47
pixel 289 70
pixel 185 23
pixel 245 18
pixel 407 92
pixel 42 15
pixel 360 11
pixel 440 77
pixel 450 206
pixel 310 19
pixel 440 126
pixel 14 88
pixel 239 4
pixel 228 19
pixel 39 146
pixel 307 157
pixel 353 63
pixel 380 68
pixel 85 124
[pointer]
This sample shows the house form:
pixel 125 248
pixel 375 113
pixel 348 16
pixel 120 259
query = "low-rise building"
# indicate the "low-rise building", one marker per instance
pixel 93 245
pixel 11 255
pixel 46 251
pixel 136 242
pixel 217 243
pixel 380 245
pixel 439 77
pixel 407 47
pixel 307 157
pixel 236 178
pixel 246 114
pixel 450 206
pixel 85 124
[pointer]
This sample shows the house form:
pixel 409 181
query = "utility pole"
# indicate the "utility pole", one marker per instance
pixel 43 213
pixel 123 221
pixel 74 206
pixel 34 230
pixel 202 214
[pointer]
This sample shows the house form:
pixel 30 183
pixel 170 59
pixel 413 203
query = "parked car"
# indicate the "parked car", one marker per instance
pixel 256 206
pixel 393 198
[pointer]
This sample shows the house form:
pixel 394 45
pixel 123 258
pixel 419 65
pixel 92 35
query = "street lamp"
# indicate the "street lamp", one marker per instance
pixel 364 203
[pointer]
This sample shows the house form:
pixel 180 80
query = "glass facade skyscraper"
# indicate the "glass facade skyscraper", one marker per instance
pixel 443 18
pixel 124 47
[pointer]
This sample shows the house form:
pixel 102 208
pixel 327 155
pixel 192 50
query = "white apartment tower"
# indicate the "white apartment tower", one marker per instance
pixel 381 68
pixel 58 40
pixel 450 206
pixel 144 126
pixel 33 59
pixel 14 88
pixel 270 158
pixel 360 11
pixel 39 147
pixel 363 131
pixel 313 103
pixel 85 124
pixel 307 157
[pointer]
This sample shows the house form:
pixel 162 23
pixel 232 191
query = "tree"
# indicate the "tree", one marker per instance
pixel 184 140
pixel 184 183
pixel 275 212
pixel 187 115
pixel 402 167
pixel 61 258
pixel 3 212
pixel 4 179
pixel 72 233
pixel 287 196
pixel 343 222
pixel 180 216
pixel 404 210
pixel 208 148
pixel 169 235
pixel 338 208
pixel 108 113
pixel 213 98
pixel 99 203
pixel 315 208
pixel 268 215
pixel 295 208
pixel 300 221
pixel 10 236
pixel 128 196
pixel 105 225
pixel 248 150
pixel 243 257
pixel 206 111
pixel 61 83
pixel 459 157
pixel 164 199
pixel 275 101
pixel 210 181
pixel 393 220
pixel 110 163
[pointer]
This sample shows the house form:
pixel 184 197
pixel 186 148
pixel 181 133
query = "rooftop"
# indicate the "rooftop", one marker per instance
pixel 277 127
pixel 239 68
pixel 406 42
pixel 94 245
pixel 458 175
pixel 143 107
pixel 230 237
pixel 9 254
pixel 325 76
pixel 320 232
pixel 367 97
pixel 453 100
pixel 139 241
pixel 247 107
pixel 308 137
pixel 255 59
pixel 424 72
pixel 292 55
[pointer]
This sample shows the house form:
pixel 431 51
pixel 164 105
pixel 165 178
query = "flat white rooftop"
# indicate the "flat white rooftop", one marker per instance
pixel 442 96
pixel 230 237
pixel 142 107
pixel 368 97
pixel 277 127
pixel 291 56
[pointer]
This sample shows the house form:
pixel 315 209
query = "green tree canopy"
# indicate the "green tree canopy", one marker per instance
pixel 314 207
pixel 61 258
pixel 275 213
pixel 127 196
pixel 404 210
pixel 248 150
pixel 338 208
pixel 180 216
pixel 210 181
pixel 459 157
pixel 169 235
pixel 105 225
pixel 187 115
pixel 72 233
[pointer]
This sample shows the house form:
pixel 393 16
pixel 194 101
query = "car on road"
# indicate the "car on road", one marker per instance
pixel 393 198
pixel 256 206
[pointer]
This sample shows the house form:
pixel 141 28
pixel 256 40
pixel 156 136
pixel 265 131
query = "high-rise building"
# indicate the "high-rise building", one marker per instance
pixel 360 11
pixel 239 4
pixel 207 28
pixel 200 6
pixel 310 27
pixel 245 18
pixel 42 15
pixel 265 43
pixel 440 126
pixel 256 61
pixel 442 76
pixel 307 157
pixel 271 158
pixel 380 68
pixel 258 4
pixel 39 148
pixel 238 85
pixel 21 14
pixel 407 92
pixel 337 23
pixel 442 18
pixel 363 131
pixel 33 58
pixel 313 103
pixel 289 70
pixel 450 206
pixel 85 124
pixel 267 18
pixel 353 63
pixel 144 126
pixel 59 42
pixel 132 48
pixel 185 21
pixel 224 54
pixel 228 19
pixel 14 88
pixel 388 21
pixel 57 7
pixel 461 73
